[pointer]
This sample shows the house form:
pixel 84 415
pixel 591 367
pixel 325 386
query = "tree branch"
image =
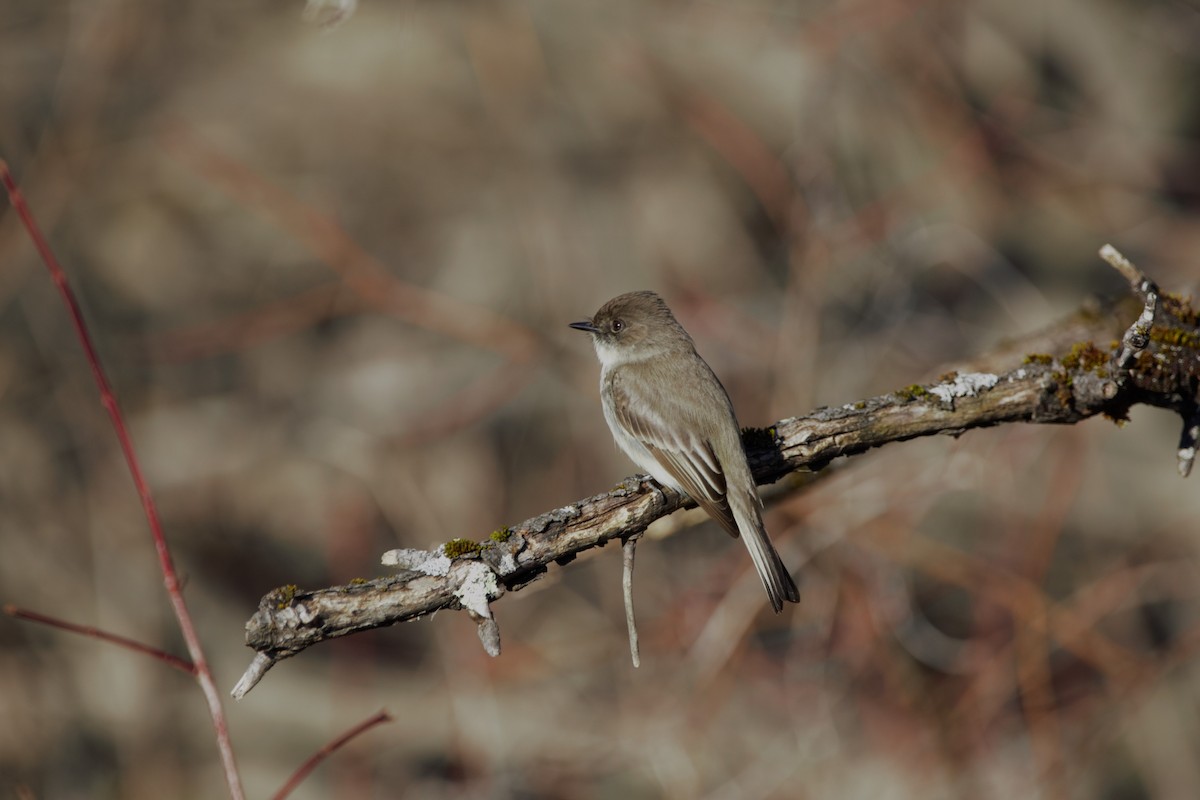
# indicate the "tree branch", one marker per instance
pixel 1094 362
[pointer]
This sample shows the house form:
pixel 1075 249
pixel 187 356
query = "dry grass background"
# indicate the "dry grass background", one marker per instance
pixel 330 274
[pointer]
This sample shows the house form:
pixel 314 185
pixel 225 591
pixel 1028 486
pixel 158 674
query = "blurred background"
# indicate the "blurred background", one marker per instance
pixel 330 272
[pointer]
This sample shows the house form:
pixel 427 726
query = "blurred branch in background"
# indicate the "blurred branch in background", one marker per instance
pixel 375 287
pixel 308 766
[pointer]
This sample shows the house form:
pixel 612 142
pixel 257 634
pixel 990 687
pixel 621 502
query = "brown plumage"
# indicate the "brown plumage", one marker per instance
pixel 671 415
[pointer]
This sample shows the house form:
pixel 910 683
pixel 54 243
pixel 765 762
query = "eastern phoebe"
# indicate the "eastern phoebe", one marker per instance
pixel 671 415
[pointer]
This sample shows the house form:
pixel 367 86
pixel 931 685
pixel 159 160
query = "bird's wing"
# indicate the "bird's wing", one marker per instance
pixel 687 458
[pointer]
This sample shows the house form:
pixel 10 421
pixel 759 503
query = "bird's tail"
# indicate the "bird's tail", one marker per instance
pixel 775 576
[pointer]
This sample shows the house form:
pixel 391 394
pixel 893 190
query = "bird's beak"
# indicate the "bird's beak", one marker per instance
pixel 586 325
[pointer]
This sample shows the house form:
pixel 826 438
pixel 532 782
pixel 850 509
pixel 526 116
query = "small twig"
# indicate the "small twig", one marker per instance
pixel 1137 336
pixel 166 565
pixel 253 674
pixel 308 766
pixel 1188 439
pixel 628 548
pixel 181 664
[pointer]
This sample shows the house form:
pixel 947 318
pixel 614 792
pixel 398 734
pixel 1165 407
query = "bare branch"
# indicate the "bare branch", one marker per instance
pixel 1076 379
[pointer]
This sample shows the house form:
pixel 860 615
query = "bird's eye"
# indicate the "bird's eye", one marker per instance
pixel 617 326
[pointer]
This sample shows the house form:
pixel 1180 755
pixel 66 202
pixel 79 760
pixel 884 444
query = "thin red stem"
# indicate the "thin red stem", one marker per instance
pixel 316 758
pixel 108 399
pixel 181 664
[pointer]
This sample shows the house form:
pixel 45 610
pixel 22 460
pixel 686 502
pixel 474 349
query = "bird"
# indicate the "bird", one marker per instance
pixel 669 413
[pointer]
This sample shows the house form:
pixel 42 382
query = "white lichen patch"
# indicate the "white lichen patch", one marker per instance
pixel 476 587
pixel 507 564
pixel 294 616
pixel 968 385
pixel 428 563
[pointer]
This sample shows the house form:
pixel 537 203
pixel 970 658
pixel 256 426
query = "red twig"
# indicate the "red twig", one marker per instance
pixel 308 766
pixel 181 664
pixel 108 399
